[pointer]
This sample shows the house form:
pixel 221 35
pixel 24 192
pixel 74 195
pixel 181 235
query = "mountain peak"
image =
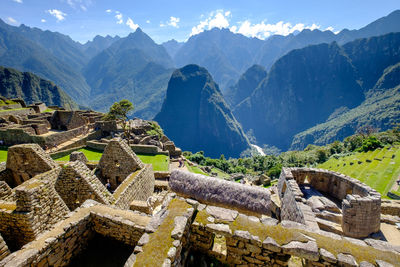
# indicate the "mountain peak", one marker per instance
pixel 194 100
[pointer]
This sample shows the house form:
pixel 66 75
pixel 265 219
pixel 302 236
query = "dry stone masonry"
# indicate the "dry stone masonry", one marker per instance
pixel 50 215
pixel 117 162
pixel 360 204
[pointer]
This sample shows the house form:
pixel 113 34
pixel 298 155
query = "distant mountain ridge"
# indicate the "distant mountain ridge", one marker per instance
pixel 134 68
pixel 227 55
pixel 32 88
pixel 195 115
pixel 306 86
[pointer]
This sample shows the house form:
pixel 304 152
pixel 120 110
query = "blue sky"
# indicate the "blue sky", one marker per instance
pixel 179 19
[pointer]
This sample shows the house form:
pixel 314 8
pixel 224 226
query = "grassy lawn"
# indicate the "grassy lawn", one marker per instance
pixel 378 169
pixel 3 155
pixel 195 169
pixel 159 162
pixel 92 155
pixel 220 173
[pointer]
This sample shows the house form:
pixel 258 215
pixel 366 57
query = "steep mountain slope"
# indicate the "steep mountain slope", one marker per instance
pixel 302 88
pixel 278 45
pixel 195 115
pixel 98 44
pixel 59 45
pixel 32 89
pixel 225 54
pixel 18 52
pixel 314 84
pixel 246 85
pixel 381 110
pixel 172 47
pixel 134 68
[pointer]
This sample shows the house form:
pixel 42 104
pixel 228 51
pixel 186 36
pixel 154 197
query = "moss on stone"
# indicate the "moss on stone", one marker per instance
pixel 8 206
pixel 156 250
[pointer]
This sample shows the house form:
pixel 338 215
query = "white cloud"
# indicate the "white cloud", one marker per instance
pixel 216 19
pixel 147 21
pixel 119 17
pixel 131 24
pixel 58 14
pixel 108 10
pixel 18 1
pixel 263 30
pixel 162 24
pixel 173 21
pixel 82 4
pixel 43 20
pixel 12 21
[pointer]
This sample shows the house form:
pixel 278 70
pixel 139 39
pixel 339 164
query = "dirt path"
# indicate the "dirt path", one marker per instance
pixel 175 165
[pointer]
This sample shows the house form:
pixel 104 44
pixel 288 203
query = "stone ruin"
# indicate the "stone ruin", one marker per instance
pixel 51 218
pixel 346 206
pixel 139 140
pixel 32 125
pixel 117 162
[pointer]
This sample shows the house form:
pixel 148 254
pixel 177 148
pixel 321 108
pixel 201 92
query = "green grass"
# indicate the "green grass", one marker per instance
pixel 159 162
pixel 49 110
pixel 220 173
pixel 3 155
pixel 380 173
pixel 195 169
pixel 5 110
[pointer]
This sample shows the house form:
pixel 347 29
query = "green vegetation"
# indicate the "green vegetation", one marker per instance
pixel 7 110
pixel 31 89
pixel 48 110
pixel 156 129
pixel 7 102
pixel 91 154
pixel 195 169
pixel 155 251
pixel 159 162
pixel 3 154
pixel 119 111
pixel 379 168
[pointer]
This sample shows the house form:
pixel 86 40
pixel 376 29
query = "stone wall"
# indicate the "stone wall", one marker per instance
pixel 4 251
pixel 117 162
pixel 137 186
pixel 230 194
pixel 68 238
pixel 361 205
pixel 67 120
pixel 76 183
pixel 292 206
pixel 19 136
pixel 37 208
pixel 237 239
pixel 27 160
pixel 139 149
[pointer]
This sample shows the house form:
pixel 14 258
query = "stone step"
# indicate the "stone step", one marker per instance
pixel 161 185
pixel 330 216
pixel 329 226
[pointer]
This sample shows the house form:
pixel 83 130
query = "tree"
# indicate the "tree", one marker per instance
pixel 119 111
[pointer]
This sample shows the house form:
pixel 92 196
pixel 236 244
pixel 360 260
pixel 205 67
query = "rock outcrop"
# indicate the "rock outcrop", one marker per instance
pixel 196 117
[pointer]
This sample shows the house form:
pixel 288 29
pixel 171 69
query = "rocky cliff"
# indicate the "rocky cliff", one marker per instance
pixel 195 115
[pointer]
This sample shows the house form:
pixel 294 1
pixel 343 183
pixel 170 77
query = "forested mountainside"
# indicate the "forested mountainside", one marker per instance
pixel 32 88
pixel 195 115
pixel 306 86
